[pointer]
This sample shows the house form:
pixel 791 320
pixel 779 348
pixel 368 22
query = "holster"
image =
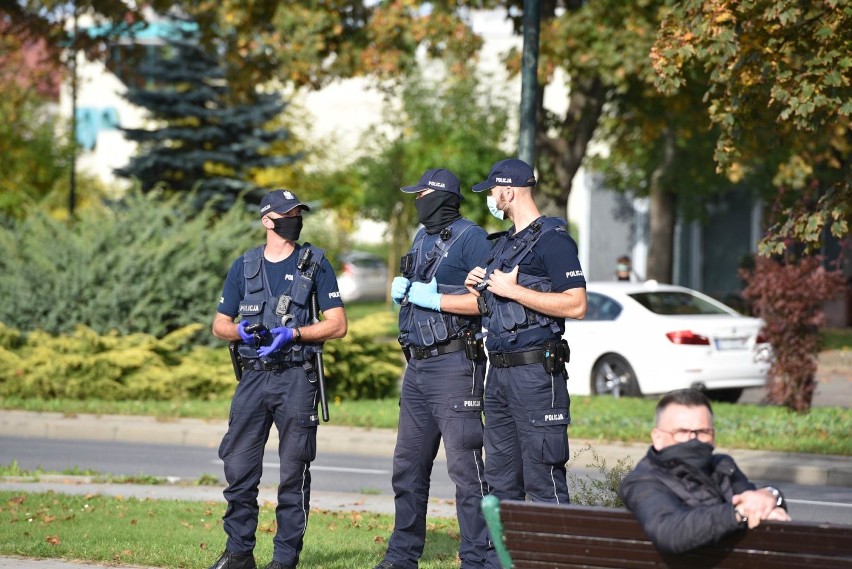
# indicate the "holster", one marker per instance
pixel 556 355
pixel 473 348
pixel 236 359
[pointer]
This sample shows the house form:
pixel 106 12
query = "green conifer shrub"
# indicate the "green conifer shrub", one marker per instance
pixel 146 264
pixel 365 364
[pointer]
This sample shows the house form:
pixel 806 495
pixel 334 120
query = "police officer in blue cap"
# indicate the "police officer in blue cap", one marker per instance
pixel 531 282
pixel 270 289
pixel 443 383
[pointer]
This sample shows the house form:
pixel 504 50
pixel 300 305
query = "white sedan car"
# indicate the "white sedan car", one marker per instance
pixel 364 277
pixel 649 338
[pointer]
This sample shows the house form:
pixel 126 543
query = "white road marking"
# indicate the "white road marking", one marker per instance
pixel 817 503
pixel 315 467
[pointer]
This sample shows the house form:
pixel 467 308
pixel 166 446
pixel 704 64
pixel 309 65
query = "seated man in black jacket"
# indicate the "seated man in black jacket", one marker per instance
pixel 683 495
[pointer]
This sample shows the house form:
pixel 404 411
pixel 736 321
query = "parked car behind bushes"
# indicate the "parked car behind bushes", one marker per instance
pixel 364 276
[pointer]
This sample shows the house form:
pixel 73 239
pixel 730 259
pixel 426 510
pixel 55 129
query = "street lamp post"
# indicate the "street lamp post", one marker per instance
pixel 529 81
pixel 73 170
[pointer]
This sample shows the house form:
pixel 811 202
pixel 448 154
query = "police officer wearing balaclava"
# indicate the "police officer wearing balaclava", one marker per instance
pixel 531 282
pixel 442 388
pixel 270 289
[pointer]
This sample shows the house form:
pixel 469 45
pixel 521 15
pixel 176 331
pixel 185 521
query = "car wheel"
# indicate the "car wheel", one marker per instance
pixel 612 375
pixel 730 395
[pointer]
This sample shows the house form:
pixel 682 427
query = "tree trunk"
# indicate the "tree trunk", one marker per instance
pixel 400 224
pixel 662 216
pixel 563 154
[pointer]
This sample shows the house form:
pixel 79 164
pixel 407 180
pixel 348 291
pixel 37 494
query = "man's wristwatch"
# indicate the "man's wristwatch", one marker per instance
pixel 776 493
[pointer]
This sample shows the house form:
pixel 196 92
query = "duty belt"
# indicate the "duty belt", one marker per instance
pixel 512 359
pixel 424 353
pixel 259 365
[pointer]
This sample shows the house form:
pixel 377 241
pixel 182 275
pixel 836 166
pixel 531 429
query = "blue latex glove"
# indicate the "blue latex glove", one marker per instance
pixel 399 287
pixel 283 335
pixel 425 295
pixel 241 329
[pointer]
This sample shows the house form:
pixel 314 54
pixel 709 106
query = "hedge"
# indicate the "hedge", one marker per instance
pixel 85 365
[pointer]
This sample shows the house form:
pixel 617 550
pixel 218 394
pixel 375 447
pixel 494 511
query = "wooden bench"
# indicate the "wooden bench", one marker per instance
pixel 542 536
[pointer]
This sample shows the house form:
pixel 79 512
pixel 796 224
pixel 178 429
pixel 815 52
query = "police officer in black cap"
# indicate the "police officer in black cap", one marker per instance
pixel 531 282
pixel 270 289
pixel 443 383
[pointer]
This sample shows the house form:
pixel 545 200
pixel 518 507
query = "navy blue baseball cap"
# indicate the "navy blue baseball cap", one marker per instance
pixel 510 172
pixel 280 201
pixel 439 179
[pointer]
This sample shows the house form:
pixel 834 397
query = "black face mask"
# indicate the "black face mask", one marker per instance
pixel 693 452
pixel 288 228
pixel 437 210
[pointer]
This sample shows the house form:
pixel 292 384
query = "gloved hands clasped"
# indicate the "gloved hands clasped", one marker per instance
pixel 252 333
pixel 399 288
pixel 425 295
pixel 283 335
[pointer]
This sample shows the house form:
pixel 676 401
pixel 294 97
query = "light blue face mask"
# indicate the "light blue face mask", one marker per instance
pixel 492 207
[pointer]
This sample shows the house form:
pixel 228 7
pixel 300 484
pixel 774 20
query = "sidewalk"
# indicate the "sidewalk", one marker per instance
pixel 799 468
pixel 782 467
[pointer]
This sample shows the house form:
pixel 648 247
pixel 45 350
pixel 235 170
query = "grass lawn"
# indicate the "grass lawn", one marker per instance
pixel 823 430
pixel 837 339
pixel 185 534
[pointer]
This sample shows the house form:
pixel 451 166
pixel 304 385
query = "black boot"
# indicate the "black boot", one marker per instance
pixel 385 564
pixel 276 565
pixel 230 560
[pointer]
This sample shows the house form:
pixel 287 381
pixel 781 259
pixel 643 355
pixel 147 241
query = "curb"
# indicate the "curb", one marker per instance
pixel 798 468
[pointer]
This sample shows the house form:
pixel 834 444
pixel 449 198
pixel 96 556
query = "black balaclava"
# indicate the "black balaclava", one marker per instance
pixel 437 210
pixel 288 227
pixel 693 452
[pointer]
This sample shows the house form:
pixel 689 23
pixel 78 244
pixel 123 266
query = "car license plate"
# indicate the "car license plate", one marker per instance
pixel 731 343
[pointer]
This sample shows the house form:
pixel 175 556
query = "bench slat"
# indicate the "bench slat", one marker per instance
pixel 542 536
pixel 571 551
pixel 780 536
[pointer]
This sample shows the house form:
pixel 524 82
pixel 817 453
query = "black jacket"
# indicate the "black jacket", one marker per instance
pixel 682 507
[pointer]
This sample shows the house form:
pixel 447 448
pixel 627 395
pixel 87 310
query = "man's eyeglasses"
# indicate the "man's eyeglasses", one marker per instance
pixel 683 435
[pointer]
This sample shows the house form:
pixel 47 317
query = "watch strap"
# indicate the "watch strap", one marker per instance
pixel 779 497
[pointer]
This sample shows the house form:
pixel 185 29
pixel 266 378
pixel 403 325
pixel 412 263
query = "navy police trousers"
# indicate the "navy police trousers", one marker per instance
pixel 441 397
pixel 289 399
pixel 526 433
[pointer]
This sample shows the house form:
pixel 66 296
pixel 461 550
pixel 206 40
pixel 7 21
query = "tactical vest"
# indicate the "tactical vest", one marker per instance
pixel 506 318
pixel 420 326
pixel 292 308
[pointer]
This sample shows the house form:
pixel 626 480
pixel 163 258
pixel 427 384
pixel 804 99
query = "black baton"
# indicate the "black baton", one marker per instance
pixel 319 364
